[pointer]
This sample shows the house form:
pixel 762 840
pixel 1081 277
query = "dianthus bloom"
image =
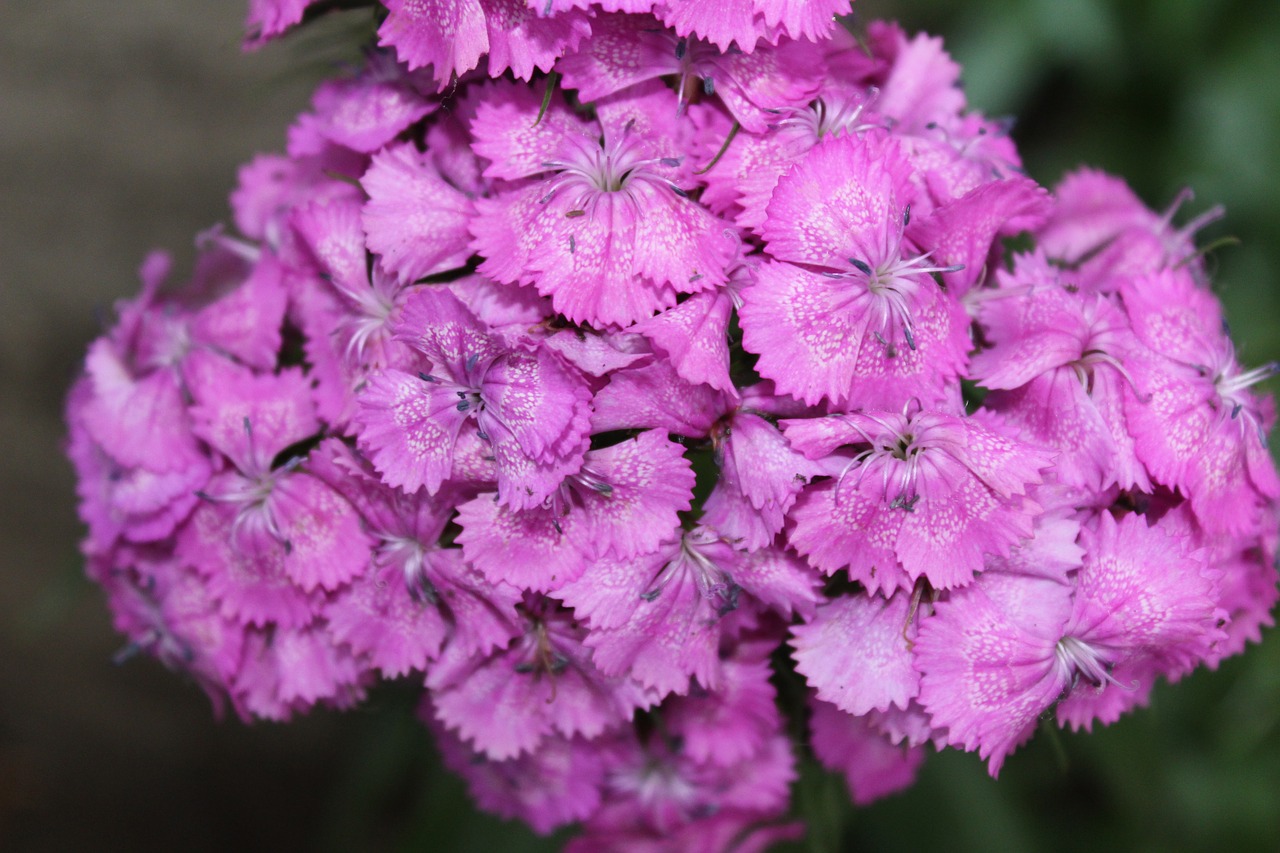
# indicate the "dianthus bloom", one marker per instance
pixel 589 363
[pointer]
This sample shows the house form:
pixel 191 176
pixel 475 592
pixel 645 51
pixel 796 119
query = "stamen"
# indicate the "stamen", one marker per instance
pixel 1078 658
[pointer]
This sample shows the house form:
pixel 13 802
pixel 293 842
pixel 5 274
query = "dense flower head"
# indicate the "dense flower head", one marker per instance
pixel 604 366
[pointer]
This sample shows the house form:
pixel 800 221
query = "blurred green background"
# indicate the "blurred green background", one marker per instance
pixel 122 128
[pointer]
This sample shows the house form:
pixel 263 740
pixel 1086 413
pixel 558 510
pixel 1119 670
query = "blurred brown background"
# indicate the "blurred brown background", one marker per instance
pixel 121 127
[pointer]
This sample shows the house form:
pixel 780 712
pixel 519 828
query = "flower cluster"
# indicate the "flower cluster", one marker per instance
pixel 601 406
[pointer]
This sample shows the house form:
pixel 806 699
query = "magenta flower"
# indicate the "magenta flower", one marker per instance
pixel 543 683
pixel 622 502
pixel 920 496
pixel 999 653
pixel 1199 427
pixel 268 513
pixel 529 407
pixel 851 302
pixel 1064 361
pixel 655 385
pixel 603 228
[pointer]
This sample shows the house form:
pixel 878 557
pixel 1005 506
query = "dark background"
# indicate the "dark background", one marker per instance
pixel 121 127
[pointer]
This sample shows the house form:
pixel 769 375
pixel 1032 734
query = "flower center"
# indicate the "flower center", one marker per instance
pixel 892 286
pixel 714 584
pixel 896 455
pixel 406 555
pixel 588 169
pixel 1077 659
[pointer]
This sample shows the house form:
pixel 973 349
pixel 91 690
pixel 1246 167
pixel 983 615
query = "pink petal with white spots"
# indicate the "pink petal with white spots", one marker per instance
pixel 855 533
pixel 813 20
pixel 584 262
pixel 414 218
pixel 923 82
pixel 845 198
pixel 1173 316
pixel 524 42
pixel 694 336
pixel 817 339
pixel 1054 410
pixel 139 422
pixel 755 87
pixel 988 664
pixel 542 402
pixel 246 323
pixel 448 35
pixel 856 652
pixel 409 429
pixel 250 418
pixel 332 233
pixel 1092 207
pixel 326 543
pixel 722 24
pixel 510 135
pixel 779 580
pixel 508 312
pixel 963 232
pixel 654 396
pixel 543 683
pixel 366 113
pixel 732 724
pixel 1157 594
pixel 650 482
pixel 623 50
pixel 530 548
pixel 383 624
pixel 597 354
pixel 250 584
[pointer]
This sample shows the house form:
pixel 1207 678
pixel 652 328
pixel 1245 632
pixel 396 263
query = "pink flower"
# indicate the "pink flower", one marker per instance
pixel 849 310
pixel 1000 652
pixel 925 495
pixel 622 502
pixel 597 223
pixel 527 404
pixel 565 402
